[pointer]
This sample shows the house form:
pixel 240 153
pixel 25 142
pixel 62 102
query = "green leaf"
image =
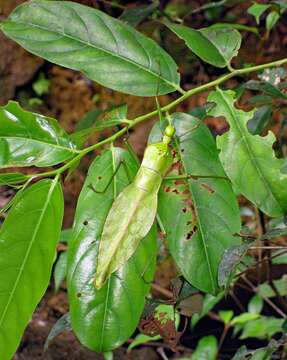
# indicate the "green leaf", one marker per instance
pixel 257 10
pixel 206 349
pixel 226 316
pixel 28 239
pixel 134 16
pixel 272 19
pixel 112 313
pixel 61 325
pixel 30 139
pixel 103 48
pixel 97 120
pixel 60 270
pixel 261 119
pixel 214 46
pixel 281 285
pixel 209 302
pixel 244 318
pixel 189 210
pixel 255 304
pixel 245 157
pixel 10 179
pixel 235 26
pixel 262 328
pixel 266 87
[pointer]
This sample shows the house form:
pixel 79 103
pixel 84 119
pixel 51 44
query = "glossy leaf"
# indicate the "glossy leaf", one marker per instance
pixel 28 239
pixel 103 48
pixel 245 156
pixel 30 139
pixel 201 218
pixel 112 313
pixel 214 46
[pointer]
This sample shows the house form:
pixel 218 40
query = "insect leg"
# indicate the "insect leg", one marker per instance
pixel 121 163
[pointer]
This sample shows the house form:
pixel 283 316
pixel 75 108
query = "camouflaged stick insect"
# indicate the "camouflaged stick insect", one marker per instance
pixel 134 210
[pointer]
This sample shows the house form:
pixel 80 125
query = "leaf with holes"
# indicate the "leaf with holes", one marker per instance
pixel 112 313
pixel 216 46
pixel 249 160
pixel 201 218
pixel 30 139
pixel 28 239
pixel 105 49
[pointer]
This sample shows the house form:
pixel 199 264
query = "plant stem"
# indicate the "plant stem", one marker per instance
pixel 173 104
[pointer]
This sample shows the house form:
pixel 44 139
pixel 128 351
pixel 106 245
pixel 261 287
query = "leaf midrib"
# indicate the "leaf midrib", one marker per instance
pixel 174 85
pixel 61 147
pixel 199 223
pixel 14 289
pixel 250 151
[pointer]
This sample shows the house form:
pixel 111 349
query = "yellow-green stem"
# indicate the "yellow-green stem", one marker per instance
pixel 173 104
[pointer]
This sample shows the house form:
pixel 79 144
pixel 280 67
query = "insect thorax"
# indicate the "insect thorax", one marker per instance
pixel 157 160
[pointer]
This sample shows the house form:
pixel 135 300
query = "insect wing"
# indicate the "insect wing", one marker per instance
pixel 128 222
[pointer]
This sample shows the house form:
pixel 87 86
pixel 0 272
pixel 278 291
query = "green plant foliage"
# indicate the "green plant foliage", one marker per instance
pixel 206 349
pixel 257 10
pixel 134 16
pixel 226 316
pixel 112 313
pixel 103 48
pixel 261 119
pixel 255 304
pixel 263 328
pixel 28 239
pixel 281 284
pixel 244 318
pixel 242 153
pixel 272 19
pixel 189 212
pixel 266 87
pixel 209 302
pixel 216 46
pixel 60 270
pixel 96 121
pixel 62 324
pixel 11 179
pixel 30 139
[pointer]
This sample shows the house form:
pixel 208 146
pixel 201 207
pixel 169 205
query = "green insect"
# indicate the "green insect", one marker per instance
pixel 134 210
